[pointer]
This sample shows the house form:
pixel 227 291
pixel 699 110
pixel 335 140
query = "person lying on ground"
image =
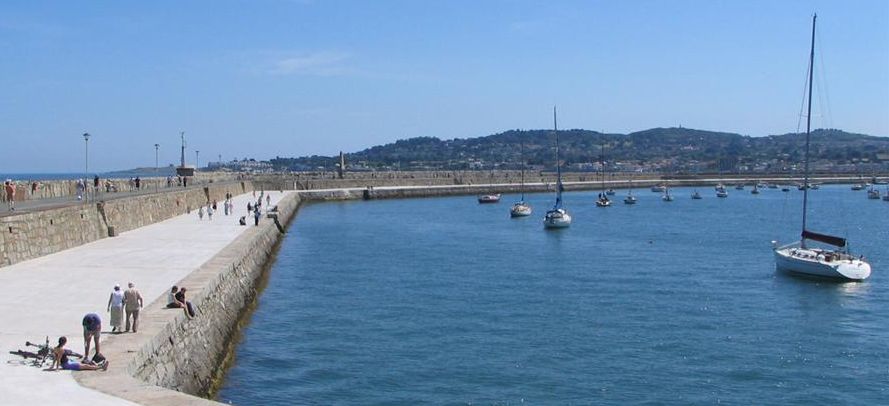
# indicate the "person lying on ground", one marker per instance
pixel 62 359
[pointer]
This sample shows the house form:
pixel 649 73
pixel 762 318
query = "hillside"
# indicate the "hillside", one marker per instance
pixel 680 149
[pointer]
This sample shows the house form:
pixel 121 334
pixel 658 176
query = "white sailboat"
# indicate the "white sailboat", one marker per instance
pixel 630 199
pixel 557 217
pixel 798 257
pixel 603 200
pixel 667 197
pixel 873 193
pixel 521 208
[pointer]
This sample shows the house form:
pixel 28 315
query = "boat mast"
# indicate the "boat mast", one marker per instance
pixel 808 132
pixel 602 160
pixel 522 154
pixel 558 163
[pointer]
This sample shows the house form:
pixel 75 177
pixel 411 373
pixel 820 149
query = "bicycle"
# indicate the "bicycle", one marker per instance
pixel 39 358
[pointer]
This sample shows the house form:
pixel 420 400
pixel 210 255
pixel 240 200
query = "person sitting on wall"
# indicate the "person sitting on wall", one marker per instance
pixel 61 359
pixel 180 298
pixel 173 301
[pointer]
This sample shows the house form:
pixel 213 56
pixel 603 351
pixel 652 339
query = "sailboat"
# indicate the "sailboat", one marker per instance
pixel 755 190
pixel 696 195
pixel 521 208
pixel 873 193
pixel 630 199
pixel 557 217
pixel 603 200
pixel 798 257
pixel 667 197
pixel 720 191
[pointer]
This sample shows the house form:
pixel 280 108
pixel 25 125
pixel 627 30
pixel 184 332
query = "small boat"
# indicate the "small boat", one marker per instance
pixel 489 198
pixel 719 186
pixel 521 208
pixel 798 257
pixel 873 193
pixel 720 191
pixel 755 190
pixel 667 197
pixel 858 186
pixel 815 186
pixel 557 217
pixel 603 200
pixel 630 199
pixel 610 192
pixel 658 188
pixel 696 195
pixel 785 189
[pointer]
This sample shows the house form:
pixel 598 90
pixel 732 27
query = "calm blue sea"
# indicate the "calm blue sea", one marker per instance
pixel 445 301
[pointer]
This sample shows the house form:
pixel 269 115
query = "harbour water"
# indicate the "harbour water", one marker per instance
pixel 446 301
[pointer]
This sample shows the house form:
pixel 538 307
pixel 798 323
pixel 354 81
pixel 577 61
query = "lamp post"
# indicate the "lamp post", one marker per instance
pixel 86 163
pixel 156 181
pixel 197 160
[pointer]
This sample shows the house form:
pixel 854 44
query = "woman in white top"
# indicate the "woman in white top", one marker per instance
pixel 115 306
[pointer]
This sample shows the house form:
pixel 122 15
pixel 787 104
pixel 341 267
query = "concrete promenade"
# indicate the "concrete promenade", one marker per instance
pixel 48 296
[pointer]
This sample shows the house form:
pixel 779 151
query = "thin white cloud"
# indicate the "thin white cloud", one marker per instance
pixel 325 63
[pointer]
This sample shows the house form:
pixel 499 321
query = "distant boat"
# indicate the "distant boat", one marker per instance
pixel 557 217
pixel 610 192
pixel 719 186
pixel 521 208
pixel 667 197
pixel 658 188
pixel 799 257
pixel 785 189
pixel 873 193
pixel 489 198
pixel 602 200
pixel 720 191
pixel 858 186
pixel 696 195
pixel 630 199
pixel 755 190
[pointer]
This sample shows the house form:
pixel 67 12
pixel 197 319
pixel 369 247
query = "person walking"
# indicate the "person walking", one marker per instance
pixel 115 307
pixel 256 215
pixel 201 212
pixel 268 200
pixel 80 188
pixel 210 213
pixel 132 300
pixel 9 187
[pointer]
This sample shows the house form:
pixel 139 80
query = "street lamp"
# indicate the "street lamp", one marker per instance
pixel 86 162
pixel 197 161
pixel 156 181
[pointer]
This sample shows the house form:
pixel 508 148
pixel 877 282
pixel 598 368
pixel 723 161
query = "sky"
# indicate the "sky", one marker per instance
pixel 267 78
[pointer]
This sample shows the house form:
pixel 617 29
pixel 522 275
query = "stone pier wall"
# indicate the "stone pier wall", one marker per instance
pixel 174 359
pixel 34 234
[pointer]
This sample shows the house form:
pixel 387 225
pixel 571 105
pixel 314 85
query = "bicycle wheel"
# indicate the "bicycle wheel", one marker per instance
pixel 25 354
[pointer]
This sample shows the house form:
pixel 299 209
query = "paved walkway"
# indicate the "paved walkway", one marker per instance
pixel 48 296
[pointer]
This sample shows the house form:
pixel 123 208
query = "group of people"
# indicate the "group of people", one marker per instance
pixel 125 305
pixel 176 300
pixel 211 207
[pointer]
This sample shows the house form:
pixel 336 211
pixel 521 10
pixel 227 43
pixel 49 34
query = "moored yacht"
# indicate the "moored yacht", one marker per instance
pixel 798 257
pixel 521 208
pixel 489 198
pixel 557 217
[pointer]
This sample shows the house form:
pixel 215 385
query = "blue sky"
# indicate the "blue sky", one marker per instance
pixel 268 78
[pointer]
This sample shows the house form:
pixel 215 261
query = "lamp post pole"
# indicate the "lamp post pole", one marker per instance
pixel 86 163
pixel 156 181
pixel 197 160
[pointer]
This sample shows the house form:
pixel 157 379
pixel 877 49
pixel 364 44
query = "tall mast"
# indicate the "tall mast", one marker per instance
pixel 602 160
pixel 808 131
pixel 522 155
pixel 558 163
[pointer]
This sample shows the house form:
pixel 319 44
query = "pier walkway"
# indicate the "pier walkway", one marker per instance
pixel 48 296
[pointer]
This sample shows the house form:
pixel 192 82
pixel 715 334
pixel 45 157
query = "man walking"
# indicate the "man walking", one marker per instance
pixel 132 300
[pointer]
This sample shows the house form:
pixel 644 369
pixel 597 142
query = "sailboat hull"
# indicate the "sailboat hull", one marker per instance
pixel 814 262
pixel 520 210
pixel 556 219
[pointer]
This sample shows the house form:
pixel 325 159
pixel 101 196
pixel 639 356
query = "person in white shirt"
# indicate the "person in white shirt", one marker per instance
pixel 115 306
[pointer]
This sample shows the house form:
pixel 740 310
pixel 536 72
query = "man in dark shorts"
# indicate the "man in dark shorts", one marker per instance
pixel 92 329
